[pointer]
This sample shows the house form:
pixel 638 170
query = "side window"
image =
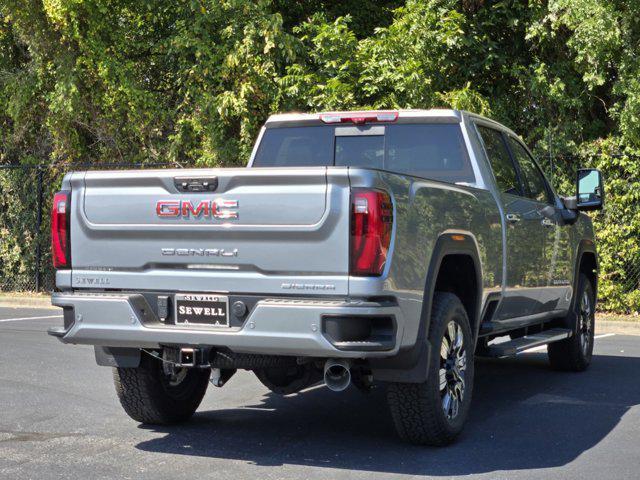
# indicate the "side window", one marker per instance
pixel 503 168
pixel 532 177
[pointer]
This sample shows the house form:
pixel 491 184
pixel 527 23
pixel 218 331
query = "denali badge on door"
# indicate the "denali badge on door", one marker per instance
pixel 203 309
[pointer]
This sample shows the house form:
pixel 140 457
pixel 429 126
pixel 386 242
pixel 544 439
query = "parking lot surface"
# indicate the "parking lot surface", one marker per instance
pixel 60 418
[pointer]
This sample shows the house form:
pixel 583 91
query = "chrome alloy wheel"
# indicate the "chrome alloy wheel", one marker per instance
pixel 453 364
pixel 585 322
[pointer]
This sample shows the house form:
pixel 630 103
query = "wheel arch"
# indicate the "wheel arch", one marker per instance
pixel 458 275
pixel 454 267
pixel 586 263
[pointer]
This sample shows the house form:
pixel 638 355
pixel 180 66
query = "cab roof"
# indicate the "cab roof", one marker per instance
pixel 433 115
pixel 402 116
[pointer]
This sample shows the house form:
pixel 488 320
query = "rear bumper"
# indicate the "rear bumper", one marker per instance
pixel 273 327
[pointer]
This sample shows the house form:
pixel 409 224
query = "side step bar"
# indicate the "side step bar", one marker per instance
pixel 517 345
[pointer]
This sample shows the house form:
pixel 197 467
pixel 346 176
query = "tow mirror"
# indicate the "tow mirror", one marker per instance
pixel 590 194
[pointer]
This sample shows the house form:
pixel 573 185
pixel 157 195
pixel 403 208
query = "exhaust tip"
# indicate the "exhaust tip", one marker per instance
pixel 337 374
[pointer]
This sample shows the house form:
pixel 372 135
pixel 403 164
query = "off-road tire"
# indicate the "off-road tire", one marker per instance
pixel 417 408
pixel 569 354
pixel 147 395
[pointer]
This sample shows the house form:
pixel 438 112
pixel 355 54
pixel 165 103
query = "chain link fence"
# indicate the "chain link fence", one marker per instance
pixel 22 235
pixel 618 235
pixel 617 226
pixel 26 193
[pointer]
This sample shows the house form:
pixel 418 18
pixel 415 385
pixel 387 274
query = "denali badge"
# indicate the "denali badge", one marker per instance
pixel 218 208
pixel 200 252
pixel 307 286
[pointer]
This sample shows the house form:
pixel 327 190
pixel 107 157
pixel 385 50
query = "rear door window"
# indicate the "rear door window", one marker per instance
pixel 504 170
pixel 532 176
pixel 433 151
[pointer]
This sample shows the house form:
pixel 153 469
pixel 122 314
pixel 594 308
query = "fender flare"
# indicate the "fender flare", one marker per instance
pixel 411 364
pixel 585 246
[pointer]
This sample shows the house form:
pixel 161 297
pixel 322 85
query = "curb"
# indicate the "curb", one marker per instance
pixel 617 326
pixel 29 301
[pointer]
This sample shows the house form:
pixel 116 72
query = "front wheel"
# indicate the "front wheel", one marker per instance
pixel 434 412
pixel 150 395
pixel 574 353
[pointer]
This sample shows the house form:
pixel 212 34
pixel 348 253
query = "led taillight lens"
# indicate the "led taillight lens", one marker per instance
pixel 371 226
pixel 60 231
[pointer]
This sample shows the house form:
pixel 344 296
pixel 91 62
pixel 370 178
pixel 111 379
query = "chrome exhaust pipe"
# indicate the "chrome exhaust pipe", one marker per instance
pixel 337 374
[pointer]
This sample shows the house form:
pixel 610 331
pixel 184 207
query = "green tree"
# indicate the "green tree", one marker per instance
pixel 191 81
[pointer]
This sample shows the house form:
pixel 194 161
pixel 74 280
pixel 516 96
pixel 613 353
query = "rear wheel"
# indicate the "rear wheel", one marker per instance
pixel 150 395
pixel 574 353
pixel 434 412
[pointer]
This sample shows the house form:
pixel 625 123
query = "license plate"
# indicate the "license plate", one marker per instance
pixel 202 309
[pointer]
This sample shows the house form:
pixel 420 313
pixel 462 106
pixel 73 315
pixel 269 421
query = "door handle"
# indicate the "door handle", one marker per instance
pixel 512 217
pixel 547 222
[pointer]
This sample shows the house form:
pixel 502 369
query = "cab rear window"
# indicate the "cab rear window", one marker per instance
pixel 433 151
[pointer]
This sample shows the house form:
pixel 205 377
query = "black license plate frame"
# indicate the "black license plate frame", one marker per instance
pixel 207 309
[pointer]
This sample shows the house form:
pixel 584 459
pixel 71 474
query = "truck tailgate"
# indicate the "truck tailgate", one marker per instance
pixel 268 230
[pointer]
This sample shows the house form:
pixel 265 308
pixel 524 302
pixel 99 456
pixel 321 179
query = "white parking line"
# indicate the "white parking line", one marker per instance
pixel 28 318
pixel 543 347
pixel 604 335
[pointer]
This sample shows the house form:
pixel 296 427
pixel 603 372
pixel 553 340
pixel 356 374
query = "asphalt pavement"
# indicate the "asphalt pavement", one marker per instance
pixel 60 418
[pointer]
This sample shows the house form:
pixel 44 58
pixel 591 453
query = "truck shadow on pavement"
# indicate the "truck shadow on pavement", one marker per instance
pixel 524 416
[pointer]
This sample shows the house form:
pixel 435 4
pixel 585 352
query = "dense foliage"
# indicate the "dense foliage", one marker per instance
pixel 190 81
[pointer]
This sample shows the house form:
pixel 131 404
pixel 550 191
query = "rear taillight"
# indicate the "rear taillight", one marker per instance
pixel 60 232
pixel 371 225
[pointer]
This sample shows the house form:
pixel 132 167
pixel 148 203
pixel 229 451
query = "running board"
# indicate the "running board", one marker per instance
pixel 518 345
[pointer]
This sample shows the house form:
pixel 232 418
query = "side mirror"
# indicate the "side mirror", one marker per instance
pixel 590 194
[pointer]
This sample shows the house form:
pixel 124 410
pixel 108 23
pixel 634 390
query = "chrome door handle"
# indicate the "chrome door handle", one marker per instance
pixel 512 217
pixel 547 222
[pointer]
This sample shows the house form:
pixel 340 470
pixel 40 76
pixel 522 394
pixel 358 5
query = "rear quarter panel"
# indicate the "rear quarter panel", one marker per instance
pixel 423 211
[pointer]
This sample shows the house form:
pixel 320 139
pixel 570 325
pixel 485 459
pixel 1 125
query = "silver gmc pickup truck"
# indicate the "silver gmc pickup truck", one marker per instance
pixel 364 248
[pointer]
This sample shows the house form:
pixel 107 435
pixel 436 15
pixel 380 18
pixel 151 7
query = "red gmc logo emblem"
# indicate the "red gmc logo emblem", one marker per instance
pixel 219 208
